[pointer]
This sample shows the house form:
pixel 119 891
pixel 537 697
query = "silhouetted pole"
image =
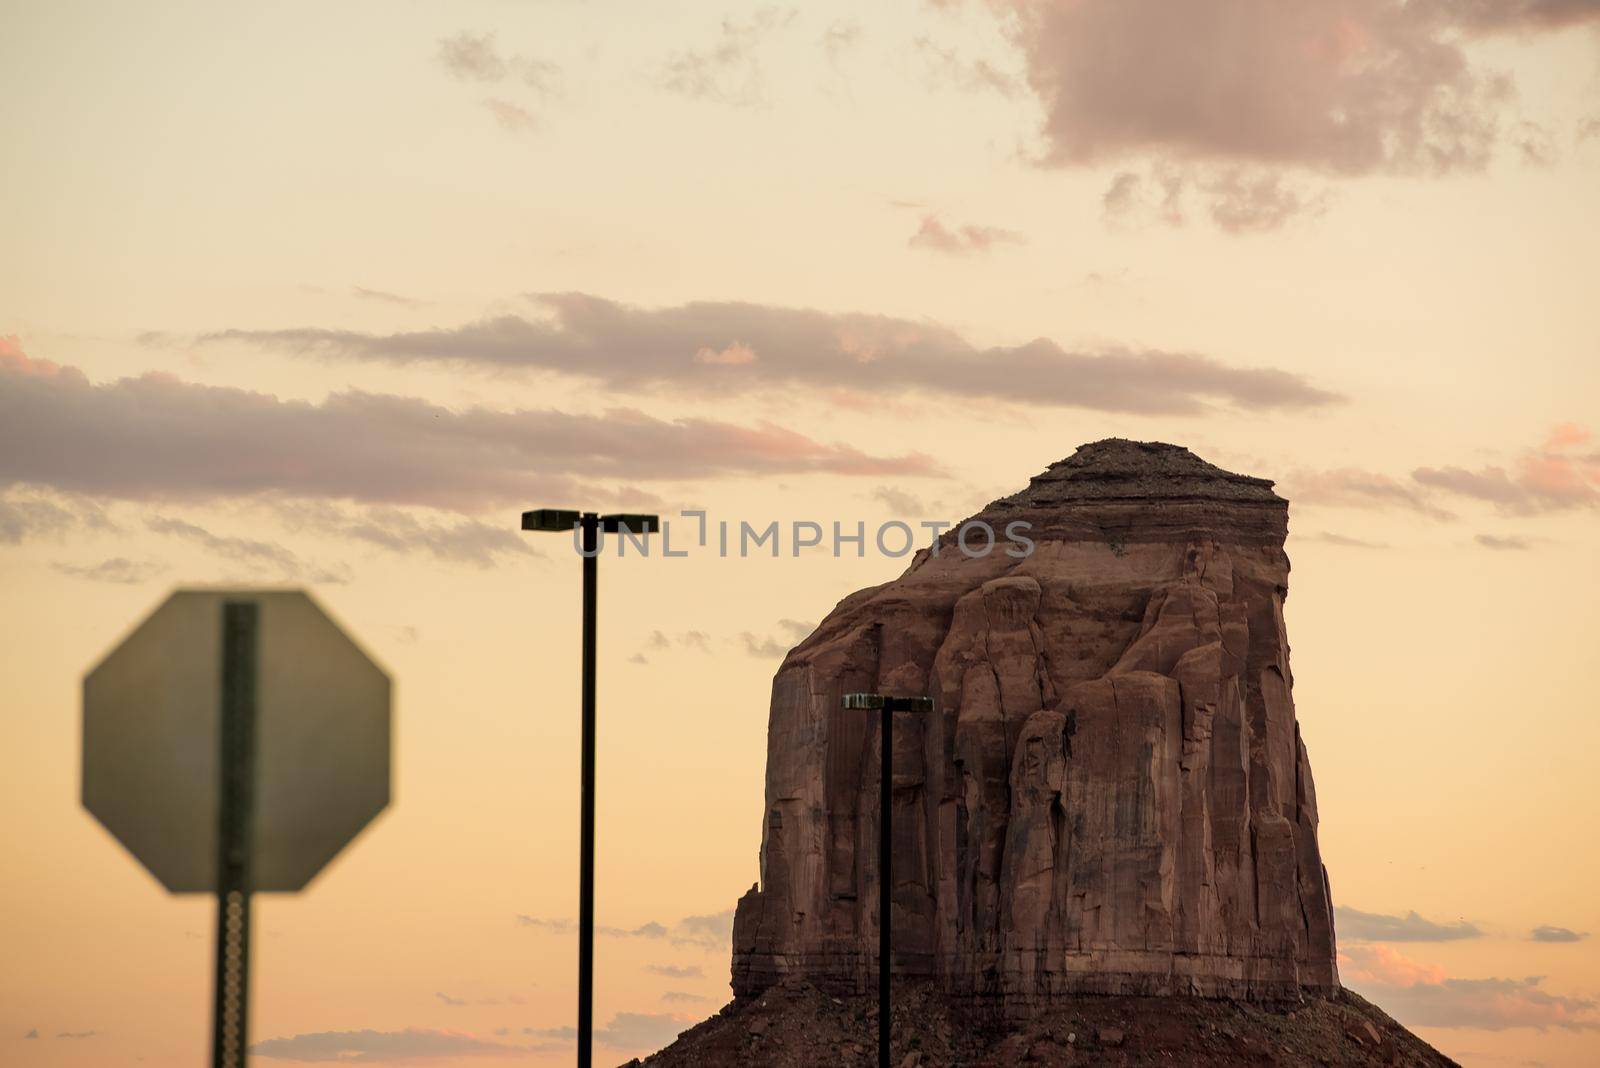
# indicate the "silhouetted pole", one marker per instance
pixel 591 578
pixel 231 1007
pixel 589 525
pixel 887 707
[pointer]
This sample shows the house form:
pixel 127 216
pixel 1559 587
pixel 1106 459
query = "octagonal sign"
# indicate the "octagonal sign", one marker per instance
pixel 152 740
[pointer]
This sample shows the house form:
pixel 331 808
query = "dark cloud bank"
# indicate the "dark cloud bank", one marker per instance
pixel 731 349
pixel 156 437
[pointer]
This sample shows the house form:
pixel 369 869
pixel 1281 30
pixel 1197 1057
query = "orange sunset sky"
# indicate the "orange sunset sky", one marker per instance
pixel 324 295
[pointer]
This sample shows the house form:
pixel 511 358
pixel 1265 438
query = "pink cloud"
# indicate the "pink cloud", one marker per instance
pixel 1550 477
pixel 1343 86
pixel 1356 488
pixel 1379 964
pixel 959 240
pixel 1564 435
pixel 13 359
pixel 734 355
pixel 1423 995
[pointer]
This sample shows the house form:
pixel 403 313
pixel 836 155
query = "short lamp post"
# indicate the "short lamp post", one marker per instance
pixel 886 707
pixel 589 525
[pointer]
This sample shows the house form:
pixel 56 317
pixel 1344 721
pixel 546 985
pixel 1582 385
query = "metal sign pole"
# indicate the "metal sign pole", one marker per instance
pixel 885 853
pixel 591 557
pixel 886 708
pixel 230 1014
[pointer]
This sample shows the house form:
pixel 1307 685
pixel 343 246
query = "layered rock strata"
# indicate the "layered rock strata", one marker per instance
pixel 1112 795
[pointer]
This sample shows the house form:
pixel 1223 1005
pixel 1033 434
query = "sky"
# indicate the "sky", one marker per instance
pixel 324 295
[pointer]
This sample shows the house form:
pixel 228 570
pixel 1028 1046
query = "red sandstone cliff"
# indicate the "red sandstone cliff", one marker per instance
pixel 1112 795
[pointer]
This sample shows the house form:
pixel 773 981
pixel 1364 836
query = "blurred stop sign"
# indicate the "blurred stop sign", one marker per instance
pixel 152 740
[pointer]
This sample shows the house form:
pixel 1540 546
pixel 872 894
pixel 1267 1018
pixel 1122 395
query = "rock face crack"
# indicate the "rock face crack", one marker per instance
pixel 1112 795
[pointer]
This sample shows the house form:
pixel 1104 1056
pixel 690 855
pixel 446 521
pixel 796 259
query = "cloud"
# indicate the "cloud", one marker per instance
pixel 385 298
pixel 948 69
pixel 1330 538
pixel 512 117
pixel 934 235
pixel 157 437
pixel 683 996
pixel 77 1034
pixel 899 502
pixel 689 639
pixel 1424 996
pixel 644 930
pixel 1125 197
pixel 452 539
pixel 676 971
pixel 1547 933
pixel 540 75
pixel 472 57
pixel 763 648
pixel 728 70
pixel 1354 488
pixel 1241 201
pixel 1560 474
pixel 34 1033
pixel 627 1030
pixel 1354 925
pixel 381 1047
pixel 708 931
pixel 633 349
pixel 711 930
pixel 1534 144
pixel 770 648
pixel 1343 88
pixel 1508 543
pixel 640 1030
pixel 1382 966
pixel 734 354
pixel 1555 476
pixel 118 570
pixel 25 516
pixel 259 556
pixel 455 1002
pixel 841 36
pixel 1238 200
pixel 1523 16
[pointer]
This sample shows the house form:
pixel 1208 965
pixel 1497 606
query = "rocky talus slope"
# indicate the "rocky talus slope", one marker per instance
pixel 795 1025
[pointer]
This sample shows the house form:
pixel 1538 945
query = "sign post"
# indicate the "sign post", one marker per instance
pixel 230 1014
pixel 886 708
pixel 234 743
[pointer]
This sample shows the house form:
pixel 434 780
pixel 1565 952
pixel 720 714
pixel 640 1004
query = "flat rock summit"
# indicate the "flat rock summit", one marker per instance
pixel 1111 800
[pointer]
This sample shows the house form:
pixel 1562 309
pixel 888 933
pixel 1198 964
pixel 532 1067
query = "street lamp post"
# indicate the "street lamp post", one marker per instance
pixel 589 525
pixel 886 707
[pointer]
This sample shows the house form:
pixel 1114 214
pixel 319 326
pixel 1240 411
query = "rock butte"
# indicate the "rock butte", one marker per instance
pixel 1112 796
